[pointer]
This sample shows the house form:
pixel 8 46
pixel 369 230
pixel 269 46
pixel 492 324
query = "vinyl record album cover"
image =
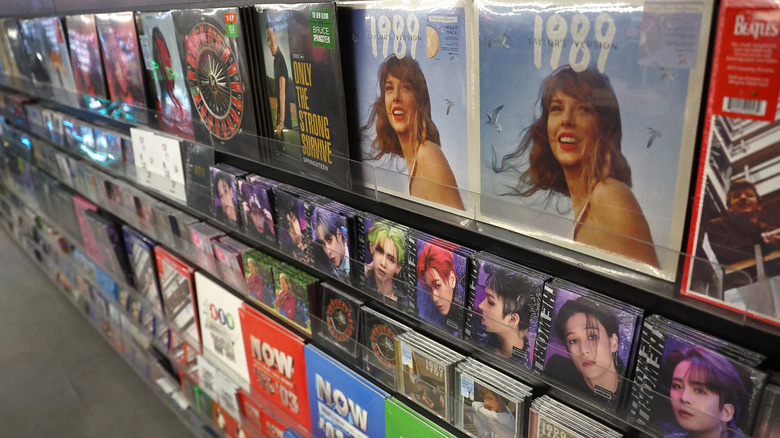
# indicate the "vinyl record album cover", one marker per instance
pixel 735 223
pixel 215 62
pixel 34 42
pixel 165 71
pixel 594 151
pixel 302 64
pixel 345 404
pixel 277 363
pixel 122 58
pixel 85 56
pixel 407 72
pixel 60 69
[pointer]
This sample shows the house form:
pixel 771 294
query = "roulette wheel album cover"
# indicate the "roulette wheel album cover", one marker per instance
pixel 214 56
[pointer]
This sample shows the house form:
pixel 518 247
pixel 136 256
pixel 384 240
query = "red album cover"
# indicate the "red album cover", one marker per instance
pixel 87 238
pixel 271 427
pixel 277 365
pixel 222 418
pixel 251 412
pixel 178 295
pixel 735 222
pixel 122 57
pixel 85 55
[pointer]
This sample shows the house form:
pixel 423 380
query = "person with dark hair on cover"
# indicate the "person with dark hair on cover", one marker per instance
pixel 283 85
pixel 288 210
pixel 574 150
pixel 225 209
pixel 734 236
pixel 707 395
pixel 590 333
pixel 258 217
pixel 506 312
pixel 331 233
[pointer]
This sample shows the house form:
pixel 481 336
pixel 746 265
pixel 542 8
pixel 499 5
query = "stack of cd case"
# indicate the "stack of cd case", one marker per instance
pixel 441 282
pixel 294 231
pixel 674 362
pixel 339 322
pixel 503 307
pixel 224 192
pixel 425 372
pixel 586 341
pixel 255 194
pixel 490 403
pixel 259 277
pixel 384 250
pixel 333 236
pixel 550 418
pixel 377 339
pixel 297 295
pixel 228 253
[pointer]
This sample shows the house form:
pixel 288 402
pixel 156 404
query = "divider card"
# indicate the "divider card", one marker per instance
pixel 345 404
pixel 220 326
pixel 588 116
pixel 301 53
pixel 402 421
pixel 407 71
pixel 277 364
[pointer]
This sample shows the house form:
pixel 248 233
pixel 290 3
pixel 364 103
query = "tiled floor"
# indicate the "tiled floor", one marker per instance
pixel 58 376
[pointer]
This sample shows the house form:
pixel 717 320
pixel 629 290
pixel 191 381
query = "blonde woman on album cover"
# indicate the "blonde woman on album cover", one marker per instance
pixel 573 150
pixel 404 128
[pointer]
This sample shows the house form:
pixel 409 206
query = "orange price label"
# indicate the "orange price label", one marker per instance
pixel 230 18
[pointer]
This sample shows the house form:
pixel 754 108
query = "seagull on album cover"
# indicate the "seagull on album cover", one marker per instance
pixel 493 118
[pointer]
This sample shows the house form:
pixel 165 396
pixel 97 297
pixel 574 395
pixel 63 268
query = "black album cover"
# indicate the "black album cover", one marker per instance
pixel 59 67
pixel 85 56
pixel 213 51
pixel 340 315
pixel 377 337
pixel 34 43
pixel 258 218
pixel 293 236
pixel 165 72
pixel 224 189
pixel 302 64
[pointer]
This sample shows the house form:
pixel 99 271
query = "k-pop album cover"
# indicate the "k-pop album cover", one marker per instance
pixel 594 151
pixel 408 71
pixel 586 342
pixel 305 89
pixel 503 315
pixel 735 222
pixel 686 385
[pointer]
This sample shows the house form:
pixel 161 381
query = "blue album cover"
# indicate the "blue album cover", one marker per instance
pixel 411 97
pixel 588 116
pixel 340 401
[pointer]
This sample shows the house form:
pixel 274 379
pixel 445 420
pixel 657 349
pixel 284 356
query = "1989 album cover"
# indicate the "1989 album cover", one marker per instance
pixel 407 71
pixel 594 151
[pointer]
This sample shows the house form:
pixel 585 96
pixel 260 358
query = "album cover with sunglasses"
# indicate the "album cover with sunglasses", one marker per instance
pixel 165 72
pixel 594 152
pixel 406 70
pixel 212 46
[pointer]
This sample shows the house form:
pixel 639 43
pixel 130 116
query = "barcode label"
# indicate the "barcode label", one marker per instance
pixel 744 106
